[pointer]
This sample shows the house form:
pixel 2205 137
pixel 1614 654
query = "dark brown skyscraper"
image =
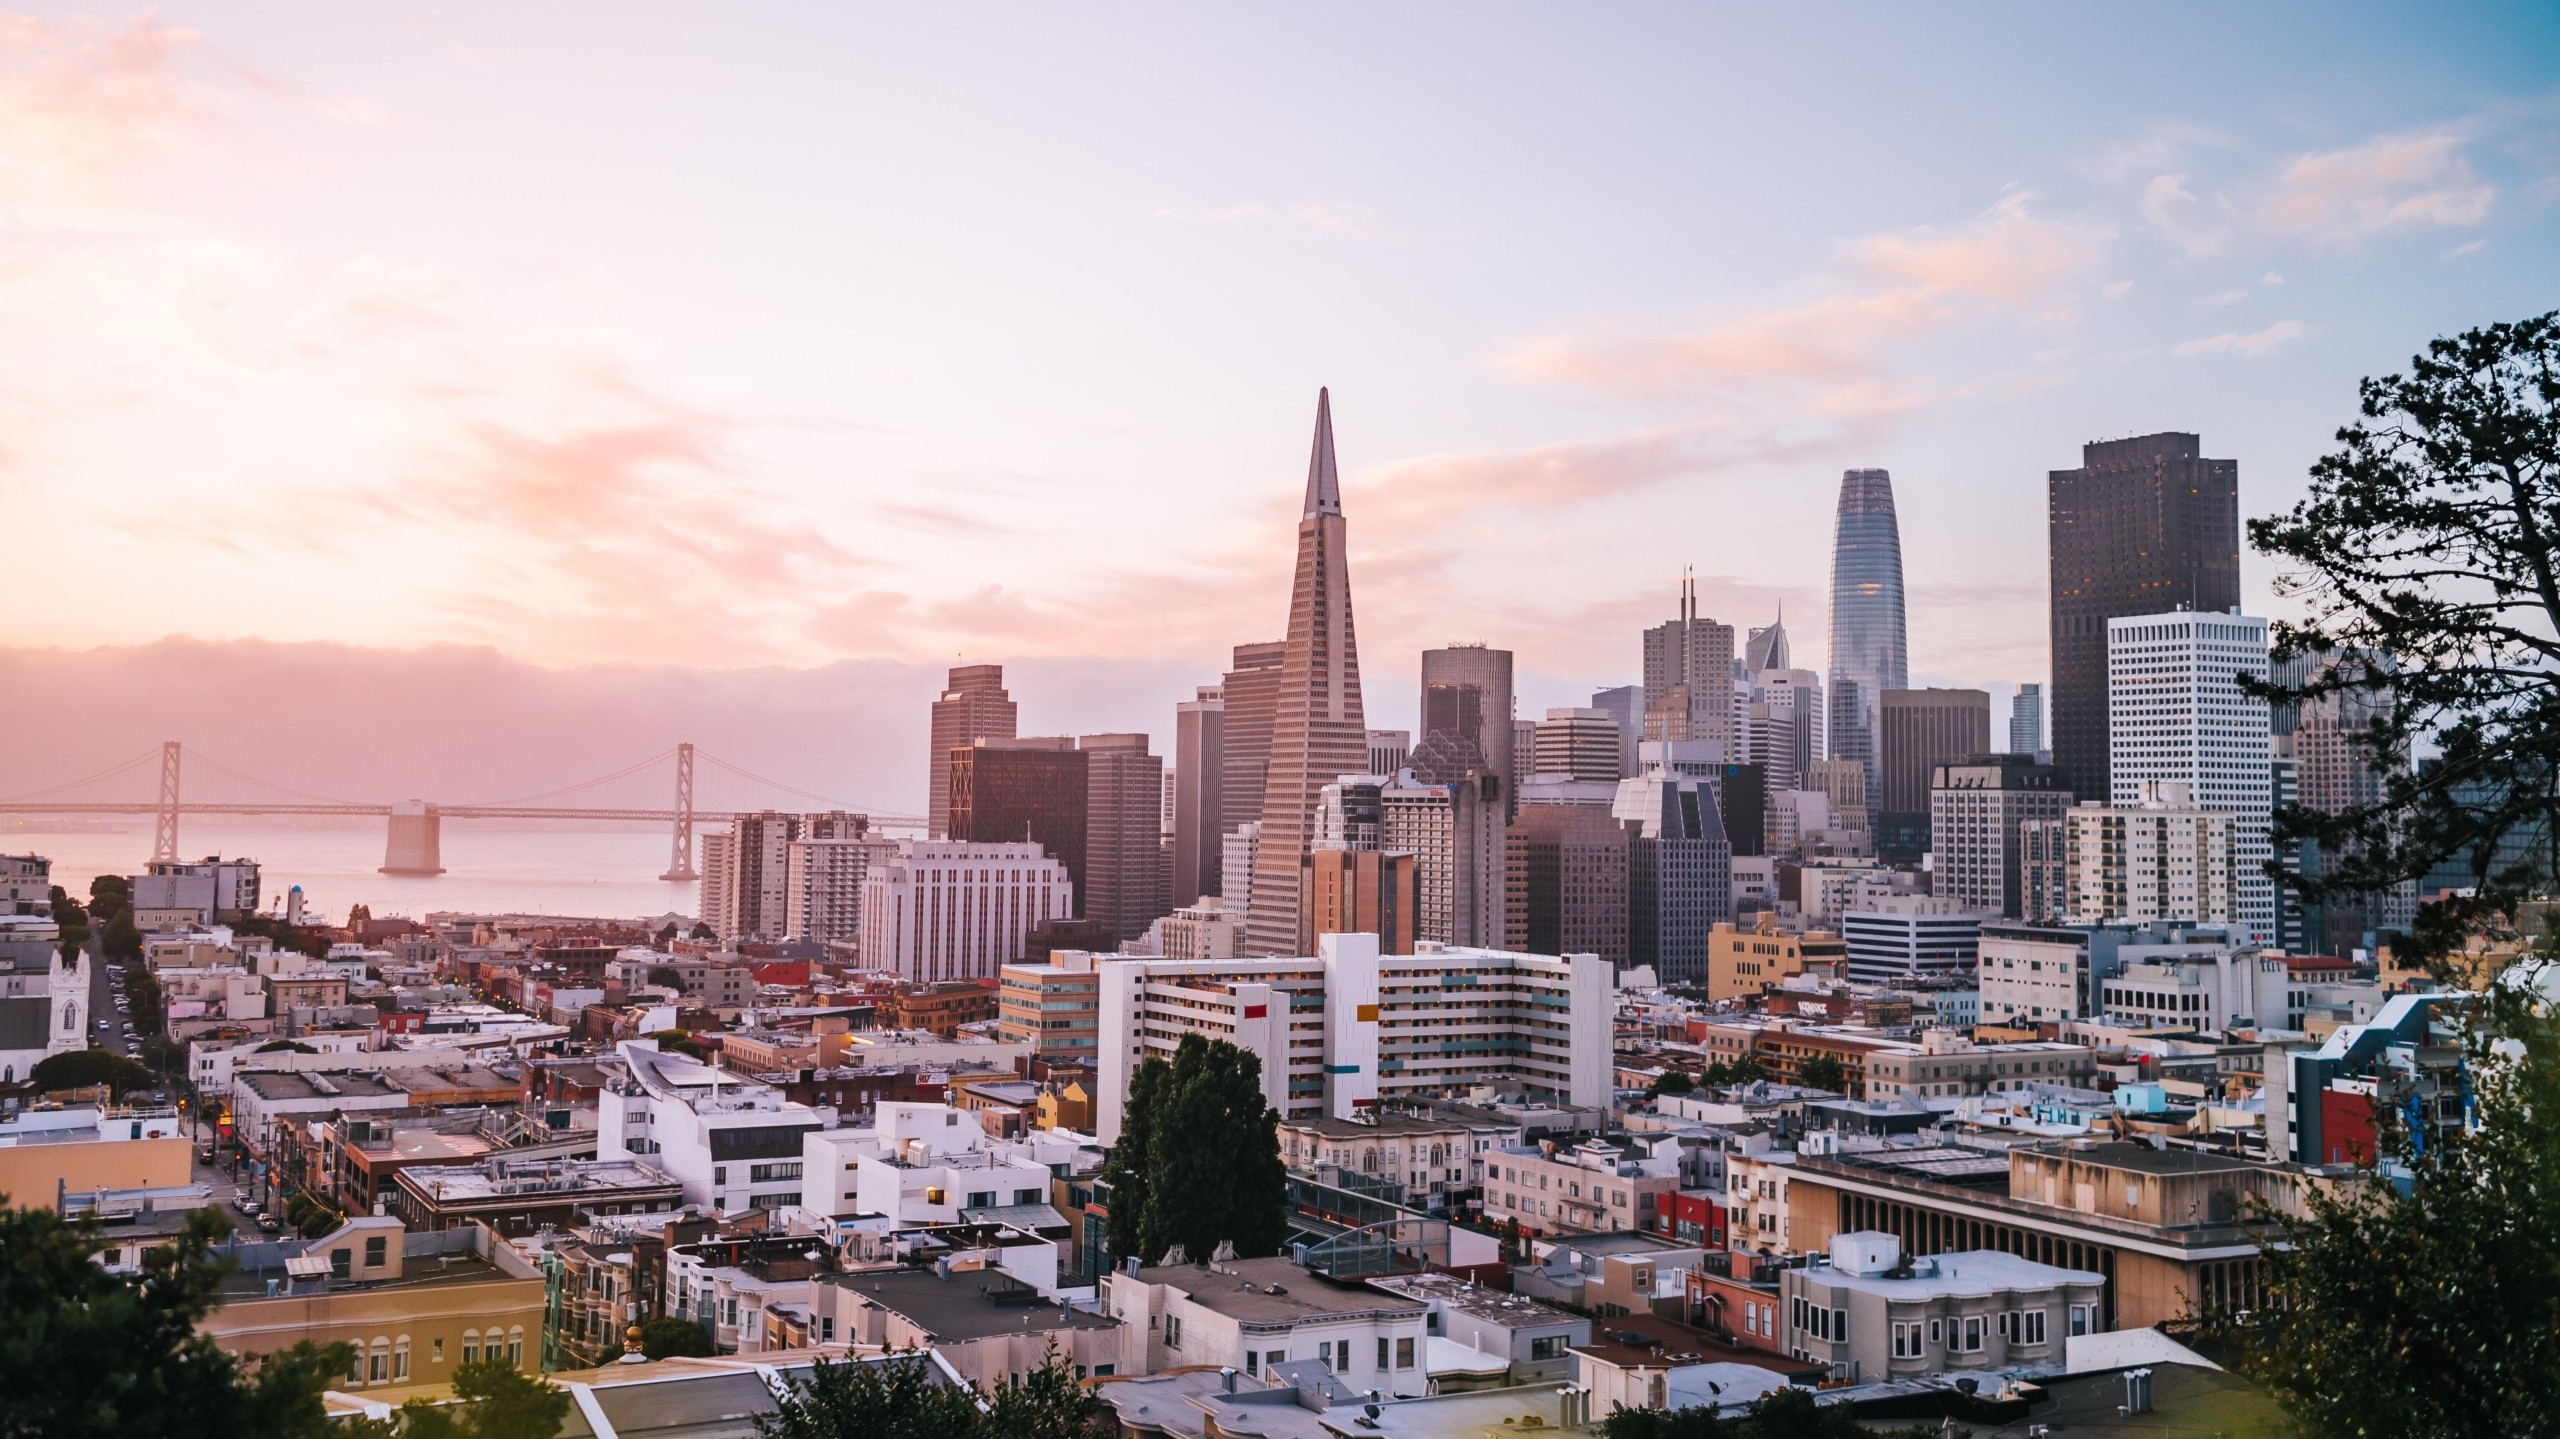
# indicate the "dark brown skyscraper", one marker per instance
pixel 1199 795
pixel 1568 887
pixel 1010 790
pixel 2143 527
pixel 1917 730
pixel 973 706
pixel 1318 732
pixel 1123 885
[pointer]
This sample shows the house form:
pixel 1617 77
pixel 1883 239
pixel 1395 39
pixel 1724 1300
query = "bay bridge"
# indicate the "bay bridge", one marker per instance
pixel 413 842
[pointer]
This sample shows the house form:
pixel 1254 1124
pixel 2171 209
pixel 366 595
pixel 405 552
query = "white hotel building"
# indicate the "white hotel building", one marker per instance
pixel 949 909
pixel 1348 1027
pixel 2176 716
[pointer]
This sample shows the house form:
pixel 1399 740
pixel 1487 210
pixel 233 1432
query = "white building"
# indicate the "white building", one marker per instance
pixel 822 884
pixel 1910 937
pixel 734 1144
pixel 919 1164
pixel 1455 833
pixel 2162 858
pixel 1250 1314
pixel 2031 973
pixel 939 909
pixel 2206 986
pixel 26 884
pixel 44 1003
pixel 2176 715
pixel 1978 1310
pixel 1339 1031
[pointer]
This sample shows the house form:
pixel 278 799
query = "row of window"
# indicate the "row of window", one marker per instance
pixel 386 1359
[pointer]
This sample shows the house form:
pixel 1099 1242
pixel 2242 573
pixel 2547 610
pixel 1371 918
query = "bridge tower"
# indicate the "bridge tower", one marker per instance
pixel 416 843
pixel 164 833
pixel 680 860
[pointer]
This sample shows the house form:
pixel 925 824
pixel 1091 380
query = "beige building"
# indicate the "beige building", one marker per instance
pixel 413 1307
pixel 1743 962
pixel 2165 858
pixel 1055 1008
pixel 1427 1157
pixel 983 1322
pixel 1946 1064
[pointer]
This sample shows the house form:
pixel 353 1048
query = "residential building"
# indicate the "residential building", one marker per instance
pixel 733 1143
pixel 1947 1065
pixel 2163 858
pixel 260 1100
pixel 1206 930
pixel 941 1008
pixel 1123 886
pixel 822 885
pixel 1843 782
pixel 87 1148
pixel 745 873
pixel 26 884
pixel 235 883
pixel 715 982
pixel 1534 1340
pixel 1596 1185
pixel 2208 987
pixel 1869 653
pixel 2041 974
pixel 949 909
pixel 1363 891
pixel 973 706
pixel 1744 961
pixel 2145 525
pixel 1199 794
pixel 1680 872
pixel 411 1307
pixel 987 1326
pixel 518 1196
pixel 2178 716
pixel 1252 1314
pixel 1900 939
pixel 1317 728
pixel 1055 1008
pixel 1870 1319
pixel 1026 790
pixel 1976 805
pixel 1566 891
pixel 1349 1027
pixel 920 1164
pixel 1454 831
pixel 1917 730
pixel 736 1288
pixel 1688 678
pixel 1421 1161
pixel 1582 744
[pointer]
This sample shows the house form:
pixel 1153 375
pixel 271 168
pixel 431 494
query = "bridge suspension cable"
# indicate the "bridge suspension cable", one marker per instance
pixel 828 800
pixel 149 756
pixel 199 757
pixel 627 770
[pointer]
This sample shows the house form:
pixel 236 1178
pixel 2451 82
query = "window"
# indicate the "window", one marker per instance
pixel 515 1347
pixel 2031 1326
pixel 1252 1364
pixel 1937 1331
pixel 1382 1352
pixel 982 1199
pixel 435 1352
pixel 719 1176
pixel 1551 1347
pixel 470 1346
pixel 2084 1318
pixel 376 1251
pixel 355 1366
pixel 1173 1331
pixel 1839 1323
pixel 1404 1354
pixel 1972 1335
pixel 341 1262
pixel 1906 1341
pixel 400 1359
pixel 1342 1357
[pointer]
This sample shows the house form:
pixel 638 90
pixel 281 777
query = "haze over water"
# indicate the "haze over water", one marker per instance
pixel 494 865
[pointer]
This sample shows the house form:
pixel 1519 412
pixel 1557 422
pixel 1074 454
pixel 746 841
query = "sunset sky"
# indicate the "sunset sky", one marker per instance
pixel 725 337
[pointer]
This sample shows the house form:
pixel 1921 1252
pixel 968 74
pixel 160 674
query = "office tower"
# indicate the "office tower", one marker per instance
pixel 1362 891
pixel 1199 794
pixel 1580 743
pixel 1844 783
pixel 2026 720
pixel 1688 677
pixel 1868 652
pixel 1008 791
pixel 1766 648
pixel 1454 831
pixel 1466 712
pixel 1742 801
pixel 822 884
pixel 1235 869
pixel 1916 731
pixel 2176 715
pixel 1249 691
pixel 1349 814
pixel 1976 805
pixel 1123 887
pixel 1317 729
pixel 2143 527
pixel 1388 749
pixel 1783 724
pixel 1679 872
pixel 952 909
pixel 1625 704
pixel 973 706
pixel 744 874
pixel 2301 921
pixel 2160 857
pixel 1566 892
pixel 1524 755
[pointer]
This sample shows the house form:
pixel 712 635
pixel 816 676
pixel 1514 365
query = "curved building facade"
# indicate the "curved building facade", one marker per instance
pixel 1868 652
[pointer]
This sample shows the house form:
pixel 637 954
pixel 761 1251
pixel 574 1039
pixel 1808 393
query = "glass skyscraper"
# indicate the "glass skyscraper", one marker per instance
pixel 1868 652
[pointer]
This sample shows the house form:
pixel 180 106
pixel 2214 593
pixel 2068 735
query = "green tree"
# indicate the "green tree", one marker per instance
pixel 284 1046
pixel 492 1400
pixel 902 1397
pixel 672 1336
pixel 81 1068
pixel 682 1043
pixel 89 1353
pixel 703 931
pixel 1673 1081
pixel 1048 1403
pixel 666 934
pixel 2425 555
pixel 1823 1071
pixel 1205 1154
pixel 121 938
pixel 667 977
pixel 1745 1070
pixel 1127 1171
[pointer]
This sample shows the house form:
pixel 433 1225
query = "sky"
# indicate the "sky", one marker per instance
pixel 740 355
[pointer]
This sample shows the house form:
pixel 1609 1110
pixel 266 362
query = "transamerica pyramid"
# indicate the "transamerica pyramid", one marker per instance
pixel 1318 733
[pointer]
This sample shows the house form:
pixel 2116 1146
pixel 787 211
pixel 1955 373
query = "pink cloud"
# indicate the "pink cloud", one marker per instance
pixel 2390 183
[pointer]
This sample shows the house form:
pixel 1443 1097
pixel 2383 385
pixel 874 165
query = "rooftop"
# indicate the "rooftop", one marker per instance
pixel 1971 1273
pixel 966 1304
pixel 462 1184
pixel 2143 1159
pixel 1516 1311
pixel 1270 1291
pixel 282 1086
pixel 1370 1128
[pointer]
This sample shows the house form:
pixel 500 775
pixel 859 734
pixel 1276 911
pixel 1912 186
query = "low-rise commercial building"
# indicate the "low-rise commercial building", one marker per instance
pixel 1745 960
pixel 984 1323
pixel 1867 1316
pixel 1250 1314
pixel 519 1196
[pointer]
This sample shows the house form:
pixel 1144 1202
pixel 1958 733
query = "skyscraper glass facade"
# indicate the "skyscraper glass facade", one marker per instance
pixel 1868 652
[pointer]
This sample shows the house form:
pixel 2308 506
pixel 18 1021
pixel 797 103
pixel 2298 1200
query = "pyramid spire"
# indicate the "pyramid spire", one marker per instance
pixel 1324 485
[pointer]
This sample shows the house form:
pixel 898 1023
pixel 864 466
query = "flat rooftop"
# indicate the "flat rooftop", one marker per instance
pixel 537 1180
pixel 1270 1291
pixel 1946 1163
pixel 287 1085
pixel 1517 1311
pixel 1971 1273
pixel 2143 1159
pixel 964 1305
pixel 1385 1124
pixel 418 1272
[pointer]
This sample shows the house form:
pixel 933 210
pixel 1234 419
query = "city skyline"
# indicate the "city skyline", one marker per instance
pixel 2182 259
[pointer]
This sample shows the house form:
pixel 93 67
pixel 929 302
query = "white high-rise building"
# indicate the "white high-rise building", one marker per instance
pixel 940 909
pixel 1343 1029
pixel 2162 859
pixel 1455 833
pixel 2176 716
pixel 822 886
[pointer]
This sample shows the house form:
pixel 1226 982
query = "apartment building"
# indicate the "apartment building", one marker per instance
pixel 733 1143
pixel 1858 1310
pixel 2206 987
pixel 922 1164
pixel 1252 1314
pixel 1595 1185
pixel 520 1196
pixel 2163 858
pixel 1055 1008
pixel 1946 1064
pixel 1428 1159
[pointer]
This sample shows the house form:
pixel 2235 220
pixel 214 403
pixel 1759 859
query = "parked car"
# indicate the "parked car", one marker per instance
pixel 268 1223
